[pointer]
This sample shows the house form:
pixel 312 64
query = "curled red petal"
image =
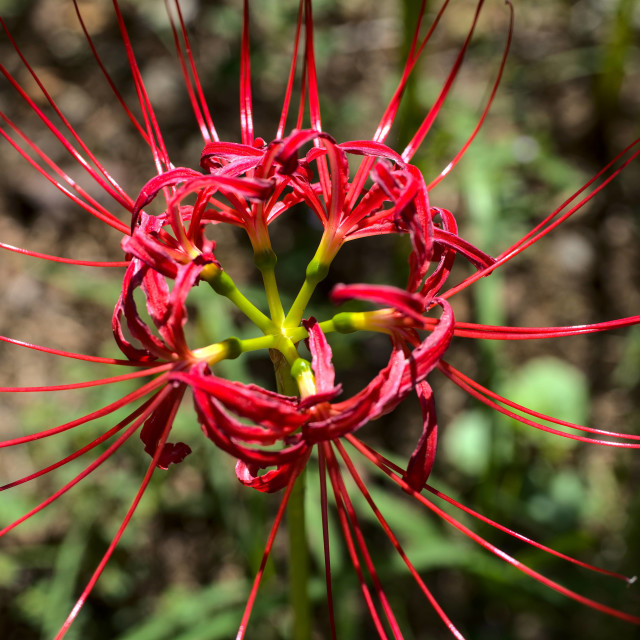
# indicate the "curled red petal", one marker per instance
pixel 477 257
pixel 424 455
pixel 176 312
pixel 288 154
pixel 156 292
pixel 173 453
pixel 389 387
pixel 152 434
pixel 153 347
pixel 319 398
pixel 429 352
pixel 320 357
pixel 149 250
pixel 251 188
pixel 407 189
pixel 239 166
pixel 150 190
pixel 348 416
pixel 271 410
pixel 214 152
pixel 372 148
pixel 240 431
pixel 270 482
pixel 233 436
pixel 348 420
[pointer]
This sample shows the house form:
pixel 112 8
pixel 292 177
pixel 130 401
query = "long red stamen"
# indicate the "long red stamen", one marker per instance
pixel 76 454
pixel 381 460
pixel 395 542
pixel 246 106
pixel 493 549
pixel 552 220
pixel 45 256
pixel 108 78
pixel 324 503
pixel 348 516
pixel 107 182
pixel 194 88
pixel 90 383
pixel 310 65
pixel 94 415
pixel 417 139
pixel 414 54
pixel 358 569
pixel 160 155
pixel 314 98
pixel 292 72
pixel 390 112
pixel 494 332
pixel 265 556
pixel 484 395
pixel 75 356
pixel 93 466
pixel 143 486
pixel 89 204
pixel 487 107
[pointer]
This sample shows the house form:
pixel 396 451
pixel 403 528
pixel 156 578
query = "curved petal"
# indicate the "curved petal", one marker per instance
pixel 424 455
pixel 270 482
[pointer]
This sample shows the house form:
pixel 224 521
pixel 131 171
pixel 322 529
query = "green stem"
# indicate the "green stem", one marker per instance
pixel 300 304
pixel 298 550
pixel 265 260
pixel 273 297
pixel 344 322
pixel 222 283
pixel 256 344
pixel 285 344
pixel 300 333
pixel 317 271
pixel 251 311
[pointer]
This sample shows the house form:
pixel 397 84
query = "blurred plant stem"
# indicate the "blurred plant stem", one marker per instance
pixel 298 549
pixel 485 224
pixel 615 56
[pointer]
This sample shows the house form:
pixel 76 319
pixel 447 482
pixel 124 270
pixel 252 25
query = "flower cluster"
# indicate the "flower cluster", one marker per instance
pixel 250 186
pixel 355 189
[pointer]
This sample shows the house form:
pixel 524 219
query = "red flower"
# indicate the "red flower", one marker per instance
pixel 272 434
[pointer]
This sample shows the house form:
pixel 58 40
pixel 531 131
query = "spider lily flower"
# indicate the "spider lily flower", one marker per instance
pixel 356 189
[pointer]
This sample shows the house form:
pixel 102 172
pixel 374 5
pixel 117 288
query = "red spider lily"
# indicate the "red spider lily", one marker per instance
pixel 249 185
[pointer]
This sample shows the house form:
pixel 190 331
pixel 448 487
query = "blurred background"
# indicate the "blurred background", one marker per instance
pixel 569 102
